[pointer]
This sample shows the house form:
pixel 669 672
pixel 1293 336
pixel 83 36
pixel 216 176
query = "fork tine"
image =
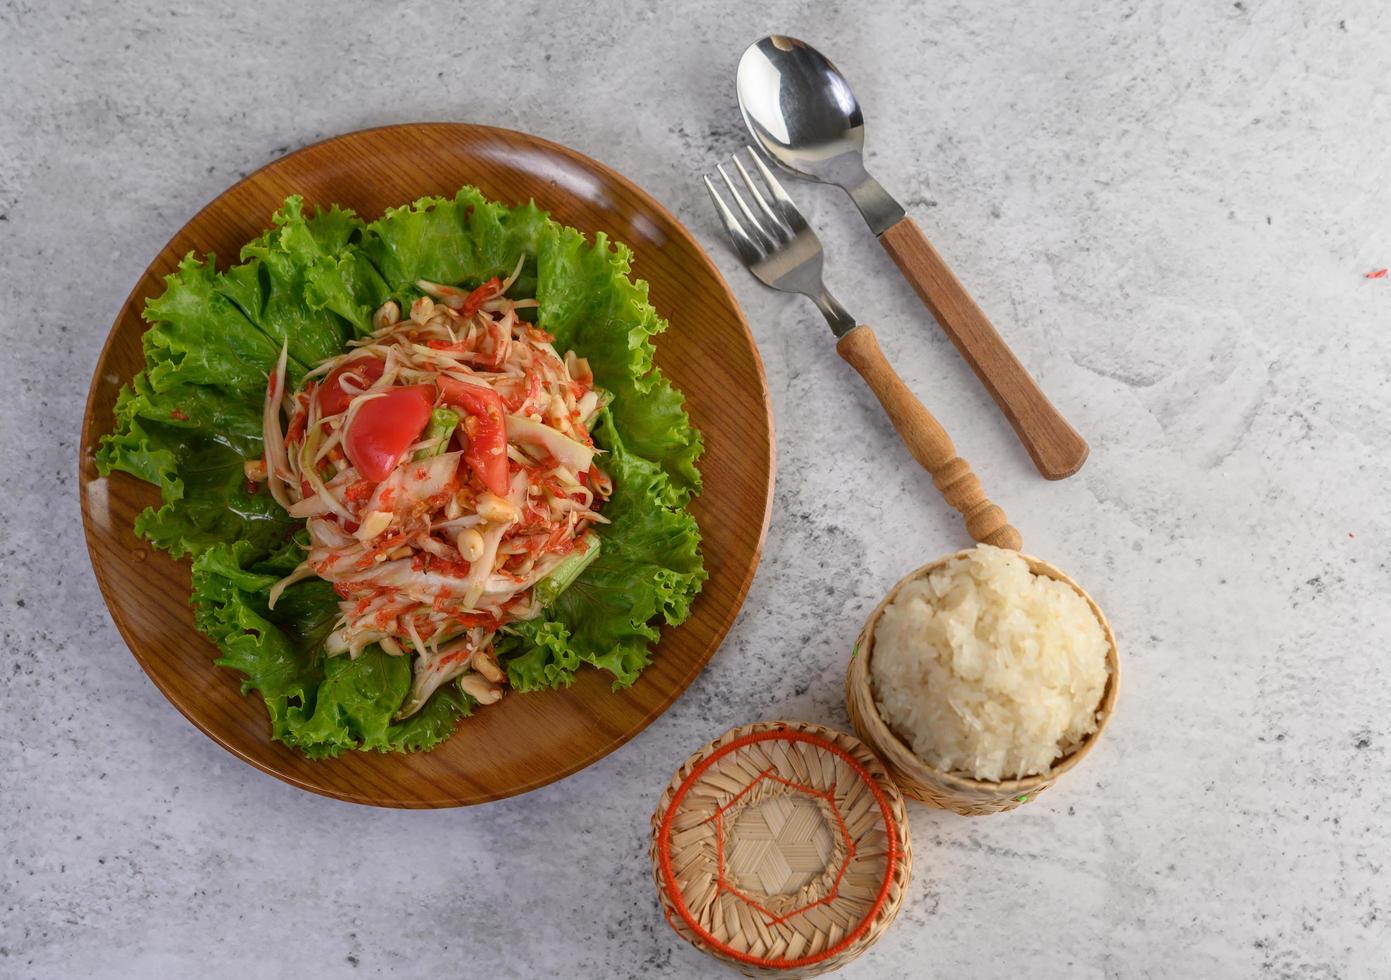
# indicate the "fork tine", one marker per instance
pixel 786 207
pixel 753 227
pixel 749 250
pixel 777 223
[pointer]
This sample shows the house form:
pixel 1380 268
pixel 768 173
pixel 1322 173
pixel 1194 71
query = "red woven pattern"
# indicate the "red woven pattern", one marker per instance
pixel 674 892
pixel 722 883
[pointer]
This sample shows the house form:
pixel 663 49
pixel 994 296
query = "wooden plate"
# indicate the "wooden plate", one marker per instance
pixel 525 741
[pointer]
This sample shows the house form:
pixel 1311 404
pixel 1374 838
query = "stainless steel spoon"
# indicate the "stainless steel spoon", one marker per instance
pixel 803 114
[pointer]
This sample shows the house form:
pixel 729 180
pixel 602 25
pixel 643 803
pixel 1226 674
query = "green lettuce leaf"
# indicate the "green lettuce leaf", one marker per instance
pixel 197 463
pixel 464 239
pixel 649 566
pixel 198 337
pixel 591 306
pixel 229 608
pixel 269 286
pixel 190 420
pixel 321 705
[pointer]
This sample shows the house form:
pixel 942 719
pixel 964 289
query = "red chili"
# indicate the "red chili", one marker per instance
pixel 452 569
pixel 500 338
pixel 533 388
pixel 469 620
pixel 178 414
pixel 359 491
pixel 296 430
pixel 486 453
pixel 474 301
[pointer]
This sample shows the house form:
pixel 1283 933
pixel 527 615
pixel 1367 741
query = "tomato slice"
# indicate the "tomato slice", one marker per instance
pixel 486 453
pixel 332 398
pixel 384 428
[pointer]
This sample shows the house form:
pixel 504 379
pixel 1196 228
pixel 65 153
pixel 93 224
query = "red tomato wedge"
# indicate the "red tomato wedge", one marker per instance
pixel 486 453
pixel 385 427
pixel 332 398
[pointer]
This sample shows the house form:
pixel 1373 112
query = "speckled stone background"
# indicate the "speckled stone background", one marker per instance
pixel 1168 208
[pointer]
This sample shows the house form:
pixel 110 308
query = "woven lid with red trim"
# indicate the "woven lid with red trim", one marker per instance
pixel 781 848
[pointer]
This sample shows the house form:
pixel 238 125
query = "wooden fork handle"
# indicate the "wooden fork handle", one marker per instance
pixel 928 441
pixel 1056 448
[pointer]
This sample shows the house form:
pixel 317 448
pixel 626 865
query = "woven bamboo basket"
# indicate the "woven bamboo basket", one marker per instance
pixel 781 849
pixel 951 790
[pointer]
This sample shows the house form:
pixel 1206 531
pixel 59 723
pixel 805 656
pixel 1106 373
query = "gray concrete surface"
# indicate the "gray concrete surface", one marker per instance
pixel 1169 208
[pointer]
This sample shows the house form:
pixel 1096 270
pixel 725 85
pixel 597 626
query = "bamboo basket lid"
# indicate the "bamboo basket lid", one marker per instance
pixel 781 849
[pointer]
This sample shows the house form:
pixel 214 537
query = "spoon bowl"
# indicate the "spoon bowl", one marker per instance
pixel 802 112
pixel 799 106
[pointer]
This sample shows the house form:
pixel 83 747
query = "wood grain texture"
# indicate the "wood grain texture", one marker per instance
pixel 525 741
pixel 928 441
pixel 1056 448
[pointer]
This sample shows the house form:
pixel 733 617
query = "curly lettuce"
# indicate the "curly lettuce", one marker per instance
pixel 191 418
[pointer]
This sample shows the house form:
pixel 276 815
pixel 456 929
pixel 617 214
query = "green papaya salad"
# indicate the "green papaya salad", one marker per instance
pixel 417 463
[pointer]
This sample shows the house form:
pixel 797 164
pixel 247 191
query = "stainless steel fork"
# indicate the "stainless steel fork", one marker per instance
pixel 774 241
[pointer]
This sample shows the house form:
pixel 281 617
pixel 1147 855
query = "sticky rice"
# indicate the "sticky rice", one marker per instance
pixel 984 668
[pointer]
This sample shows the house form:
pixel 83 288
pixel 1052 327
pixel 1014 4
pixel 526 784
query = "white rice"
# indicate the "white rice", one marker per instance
pixel 985 668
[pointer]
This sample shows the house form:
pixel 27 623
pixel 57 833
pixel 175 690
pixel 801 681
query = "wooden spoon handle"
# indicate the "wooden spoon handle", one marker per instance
pixel 928 441
pixel 1057 450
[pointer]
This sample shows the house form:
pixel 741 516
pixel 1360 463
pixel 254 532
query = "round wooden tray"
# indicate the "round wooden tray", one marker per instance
pixel 525 741
pixel 782 849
